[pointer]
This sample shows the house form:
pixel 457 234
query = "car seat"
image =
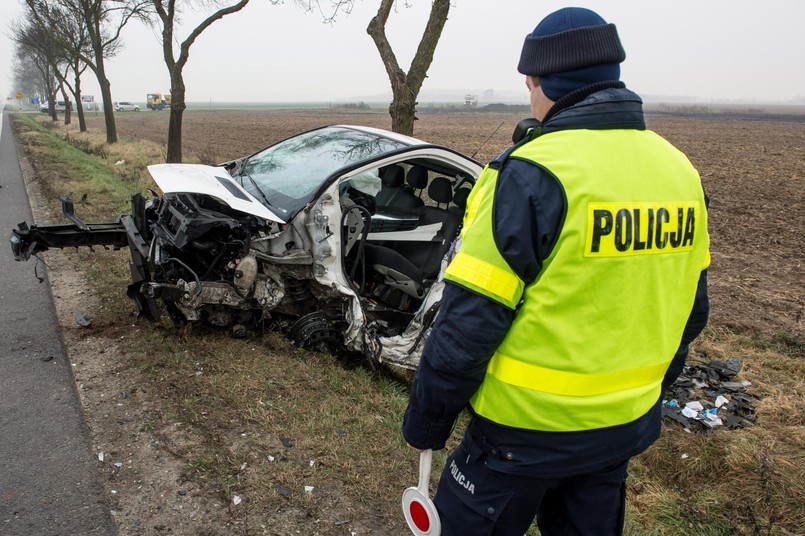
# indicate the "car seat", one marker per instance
pixel 460 201
pixel 397 271
pixel 393 194
pixel 428 255
pixel 393 178
pixel 417 179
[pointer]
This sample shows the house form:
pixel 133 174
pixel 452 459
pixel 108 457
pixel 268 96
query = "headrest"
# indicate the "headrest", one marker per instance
pixel 393 176
pixel 417 177
pixel 440 190
pixel 460 197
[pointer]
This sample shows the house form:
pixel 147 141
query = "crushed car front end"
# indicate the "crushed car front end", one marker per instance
pixel 279 236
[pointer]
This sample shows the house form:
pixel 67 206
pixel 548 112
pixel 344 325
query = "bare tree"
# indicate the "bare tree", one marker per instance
pixel 61 59
pixel 404 86
pixel 34 44
pixel 329 15
pixel 167 12
pixel 68 104
pixel 103 21
pixel 45 69
pixel 77 68
pixel 26 76
pixel 73 31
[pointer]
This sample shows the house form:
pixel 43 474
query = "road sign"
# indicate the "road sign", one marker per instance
pixel 19 95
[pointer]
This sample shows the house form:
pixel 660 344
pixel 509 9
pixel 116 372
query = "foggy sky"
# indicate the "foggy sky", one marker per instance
pixel 738 50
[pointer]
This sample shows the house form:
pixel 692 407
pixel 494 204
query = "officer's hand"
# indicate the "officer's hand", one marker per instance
pixel 420 451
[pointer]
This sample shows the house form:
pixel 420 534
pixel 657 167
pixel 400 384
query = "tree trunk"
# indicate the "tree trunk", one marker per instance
pixel 79 106
pixel 108 109
pixel 403 110
pixel 47 81
pixel 175 66
pixel 67 107
pixel 52 107
pixel 106 90
pixel 405 86
pixel 178 106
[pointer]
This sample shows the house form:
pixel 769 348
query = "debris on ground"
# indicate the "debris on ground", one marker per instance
pixel 82 319
pixel 708 395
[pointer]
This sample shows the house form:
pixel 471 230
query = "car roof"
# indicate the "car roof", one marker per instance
pixel 402 138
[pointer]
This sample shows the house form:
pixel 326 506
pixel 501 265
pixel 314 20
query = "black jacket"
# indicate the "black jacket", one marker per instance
pixel 470 327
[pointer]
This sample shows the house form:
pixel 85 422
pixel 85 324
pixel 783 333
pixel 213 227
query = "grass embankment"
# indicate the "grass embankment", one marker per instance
pixel 262 419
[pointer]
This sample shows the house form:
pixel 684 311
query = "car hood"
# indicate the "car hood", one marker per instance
pixel 212 181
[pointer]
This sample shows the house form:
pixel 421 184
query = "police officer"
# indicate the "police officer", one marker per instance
pixel 580 282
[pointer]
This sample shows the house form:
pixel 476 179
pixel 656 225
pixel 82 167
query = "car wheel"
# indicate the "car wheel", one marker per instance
pixel 136 108
pixel 318 332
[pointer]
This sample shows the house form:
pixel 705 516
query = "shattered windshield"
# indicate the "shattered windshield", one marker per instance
pixel 286 175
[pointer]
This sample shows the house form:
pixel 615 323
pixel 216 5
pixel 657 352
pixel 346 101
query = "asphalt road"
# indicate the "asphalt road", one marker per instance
pixel 49 484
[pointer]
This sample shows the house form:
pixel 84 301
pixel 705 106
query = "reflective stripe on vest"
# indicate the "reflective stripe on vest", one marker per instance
pixel 486 277
pixel 478 265
pixel 561 382
pixel 596 331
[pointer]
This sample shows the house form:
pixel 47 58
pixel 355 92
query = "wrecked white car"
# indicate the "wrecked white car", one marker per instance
pixel 338 236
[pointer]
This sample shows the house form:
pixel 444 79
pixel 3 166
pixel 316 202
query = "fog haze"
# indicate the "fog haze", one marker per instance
pixel 718 50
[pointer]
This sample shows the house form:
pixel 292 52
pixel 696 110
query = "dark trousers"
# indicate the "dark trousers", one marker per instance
pixel 473 500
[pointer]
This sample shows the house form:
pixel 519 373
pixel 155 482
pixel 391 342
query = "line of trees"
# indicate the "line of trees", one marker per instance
pixel 83 33
pixel 58 40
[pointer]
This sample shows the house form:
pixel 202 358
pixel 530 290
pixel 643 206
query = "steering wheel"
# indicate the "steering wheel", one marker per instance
pixel 360 258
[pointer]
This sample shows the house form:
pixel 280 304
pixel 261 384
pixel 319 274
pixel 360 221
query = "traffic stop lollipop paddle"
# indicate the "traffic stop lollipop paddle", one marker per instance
pixel 419 511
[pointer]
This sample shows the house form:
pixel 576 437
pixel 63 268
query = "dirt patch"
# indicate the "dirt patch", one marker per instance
pixel 754 176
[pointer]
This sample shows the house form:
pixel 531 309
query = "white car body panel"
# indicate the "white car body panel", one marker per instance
pixel 209 180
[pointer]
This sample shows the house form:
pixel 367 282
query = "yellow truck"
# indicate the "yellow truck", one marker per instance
pixel 158 101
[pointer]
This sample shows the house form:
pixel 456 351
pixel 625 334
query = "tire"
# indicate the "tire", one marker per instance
pixel 320 331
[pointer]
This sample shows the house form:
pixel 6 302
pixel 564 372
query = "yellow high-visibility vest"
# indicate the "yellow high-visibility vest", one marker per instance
pixel 596 331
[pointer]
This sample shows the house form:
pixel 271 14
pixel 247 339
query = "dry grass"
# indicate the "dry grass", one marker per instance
pixel 746 481
pixel 98 178
pixel 261 419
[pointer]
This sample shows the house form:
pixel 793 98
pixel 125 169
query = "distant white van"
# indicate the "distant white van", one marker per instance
pixel 60 106
pixel 124 106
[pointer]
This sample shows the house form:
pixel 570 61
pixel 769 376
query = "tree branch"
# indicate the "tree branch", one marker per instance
pixel 221 13
pixel 427 45
pixel 377 30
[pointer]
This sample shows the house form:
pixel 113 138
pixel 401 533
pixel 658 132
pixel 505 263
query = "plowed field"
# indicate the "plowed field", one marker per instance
pixel 753 171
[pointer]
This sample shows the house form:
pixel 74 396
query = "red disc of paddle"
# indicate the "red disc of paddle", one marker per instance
pixel 419 516
pixel 420 513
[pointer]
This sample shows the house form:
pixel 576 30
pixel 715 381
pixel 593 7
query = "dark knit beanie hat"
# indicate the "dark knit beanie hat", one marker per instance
pixel 571 48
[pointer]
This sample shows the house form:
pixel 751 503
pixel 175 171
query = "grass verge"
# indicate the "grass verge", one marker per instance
pixel 261 419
